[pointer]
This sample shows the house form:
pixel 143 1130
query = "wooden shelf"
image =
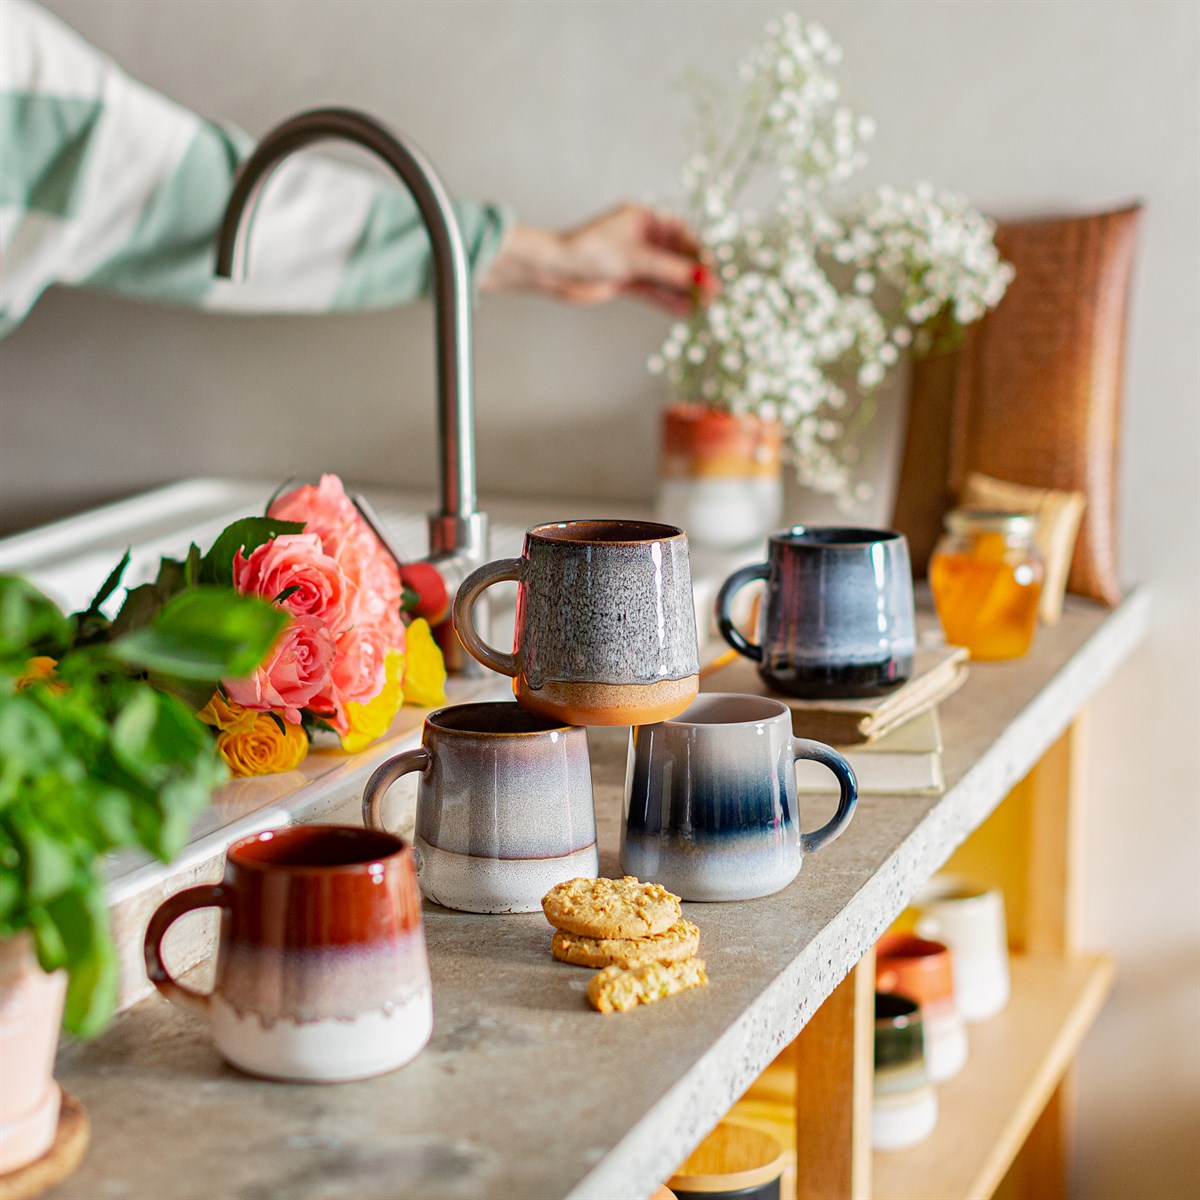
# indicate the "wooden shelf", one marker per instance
pixel 1016 1061
pixel 987 1111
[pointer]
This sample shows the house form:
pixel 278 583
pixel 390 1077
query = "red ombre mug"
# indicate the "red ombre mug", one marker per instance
pixel 321 968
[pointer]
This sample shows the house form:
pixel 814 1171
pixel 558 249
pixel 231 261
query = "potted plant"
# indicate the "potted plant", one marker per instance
pixel 100 749
pixel 819 296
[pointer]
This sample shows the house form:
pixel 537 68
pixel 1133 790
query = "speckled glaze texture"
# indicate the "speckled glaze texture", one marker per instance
pixel 710 799
pixel 837 616
pixel 321 966
pixel 606 627
pixel 504 806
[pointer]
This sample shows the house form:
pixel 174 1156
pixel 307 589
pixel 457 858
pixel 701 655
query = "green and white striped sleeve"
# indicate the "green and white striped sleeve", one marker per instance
pixel 106 184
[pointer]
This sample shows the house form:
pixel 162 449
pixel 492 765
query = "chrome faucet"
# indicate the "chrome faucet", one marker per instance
pixel 458 533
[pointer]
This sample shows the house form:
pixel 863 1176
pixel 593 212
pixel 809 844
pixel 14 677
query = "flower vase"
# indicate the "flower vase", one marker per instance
pixel 720 475
pixel 31 1004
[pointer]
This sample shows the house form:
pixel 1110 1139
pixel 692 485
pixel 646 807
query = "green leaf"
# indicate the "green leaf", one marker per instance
pixel 171 578
pixel 191 566
pixel 203 634
pixel 30 622
pixel 49 864
pixel 409 599
pixel 81 920
pixel 245 535
pixel 108 586
pixel 287 591
pixel 31 742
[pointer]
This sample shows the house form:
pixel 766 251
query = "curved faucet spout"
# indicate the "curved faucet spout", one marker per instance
pixel 457 531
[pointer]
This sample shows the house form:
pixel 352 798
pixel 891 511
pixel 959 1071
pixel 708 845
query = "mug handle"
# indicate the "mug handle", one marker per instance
pixel 730 632
pixel 464 603
pixel 208 895
pixel 847 799
pixel 383 777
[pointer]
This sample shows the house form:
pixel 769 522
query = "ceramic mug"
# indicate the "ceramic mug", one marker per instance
pixel 904 1108
pixel 321 969
pixel 923 970
pixel 969 918
pixel 606 624
pixel 504 806
pixel 837 617
pixel 710 799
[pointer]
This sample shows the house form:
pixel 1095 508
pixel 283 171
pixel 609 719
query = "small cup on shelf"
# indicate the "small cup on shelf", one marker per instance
pixel 924 971
pixel 904 1108
pixel 969 918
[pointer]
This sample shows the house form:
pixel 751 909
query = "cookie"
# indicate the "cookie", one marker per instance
pixel 674 944
pixel 611 908
pixel 617 990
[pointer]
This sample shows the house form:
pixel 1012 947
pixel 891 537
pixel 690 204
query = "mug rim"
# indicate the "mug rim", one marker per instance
pixel 552 725
pixel 368 864
pixel 653 531
pixel 780 709
pixel 908 1016
pixel 793 535
pixel 954 889
pixel 901 947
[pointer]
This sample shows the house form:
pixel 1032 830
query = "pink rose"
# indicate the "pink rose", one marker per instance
pixel 296 560
pixel 377 596
pixel 328 512
pixel 357 674
pixel 295 670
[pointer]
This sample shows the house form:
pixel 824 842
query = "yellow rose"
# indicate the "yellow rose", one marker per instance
pixel 425 676
pixel 226 716
pixel 373 719
pixel 262 748
pixel 40 669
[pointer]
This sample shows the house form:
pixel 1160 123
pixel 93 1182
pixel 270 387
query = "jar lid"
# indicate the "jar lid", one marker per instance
pixel 734 1157
pixel 991 520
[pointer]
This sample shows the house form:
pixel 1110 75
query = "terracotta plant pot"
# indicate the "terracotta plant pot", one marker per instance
pixel 720 475
pixel 31 1004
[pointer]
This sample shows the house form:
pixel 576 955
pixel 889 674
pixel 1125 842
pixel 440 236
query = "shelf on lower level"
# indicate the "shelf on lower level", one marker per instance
pixel 1017 1060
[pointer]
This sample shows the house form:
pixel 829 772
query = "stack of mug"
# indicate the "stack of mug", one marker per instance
pixel 951 969
pixel 322 974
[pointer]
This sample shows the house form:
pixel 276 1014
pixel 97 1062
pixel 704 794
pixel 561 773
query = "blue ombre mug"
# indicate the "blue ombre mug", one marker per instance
pixel 837 614
pixel 710 799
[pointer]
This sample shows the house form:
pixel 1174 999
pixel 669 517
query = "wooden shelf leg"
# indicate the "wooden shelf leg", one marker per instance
pixel 834 1065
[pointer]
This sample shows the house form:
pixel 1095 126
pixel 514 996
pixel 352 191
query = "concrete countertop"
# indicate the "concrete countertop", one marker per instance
pixel 524 1092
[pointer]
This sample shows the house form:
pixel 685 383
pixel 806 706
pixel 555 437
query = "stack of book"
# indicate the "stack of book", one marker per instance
pixel 893 742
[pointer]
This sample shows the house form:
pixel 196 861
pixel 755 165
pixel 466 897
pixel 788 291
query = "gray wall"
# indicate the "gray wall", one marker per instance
pixel 561 108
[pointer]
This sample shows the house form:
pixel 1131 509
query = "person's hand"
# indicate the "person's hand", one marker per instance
pixel 628 251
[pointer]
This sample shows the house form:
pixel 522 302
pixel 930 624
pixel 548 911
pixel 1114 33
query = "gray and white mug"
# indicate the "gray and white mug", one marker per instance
pixel 710 799
pixel 504 806
pixel 606 623
pixel 836 618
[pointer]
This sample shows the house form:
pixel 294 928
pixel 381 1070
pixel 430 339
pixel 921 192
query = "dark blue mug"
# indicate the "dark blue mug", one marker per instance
pixel 836 618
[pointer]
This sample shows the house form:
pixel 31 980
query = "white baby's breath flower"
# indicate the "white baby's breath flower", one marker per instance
pixel 815 298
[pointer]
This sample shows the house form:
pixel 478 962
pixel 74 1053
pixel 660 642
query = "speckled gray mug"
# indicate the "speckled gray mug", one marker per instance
pixel 504 806
pixel 606 623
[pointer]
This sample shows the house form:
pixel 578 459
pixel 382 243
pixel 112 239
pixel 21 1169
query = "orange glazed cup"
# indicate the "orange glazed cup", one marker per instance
pixel 923 970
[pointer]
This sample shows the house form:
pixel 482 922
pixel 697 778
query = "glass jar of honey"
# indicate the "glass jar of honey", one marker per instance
pixel 986 577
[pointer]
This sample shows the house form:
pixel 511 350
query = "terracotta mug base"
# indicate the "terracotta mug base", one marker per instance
pixel 608 703
pixel 30 1136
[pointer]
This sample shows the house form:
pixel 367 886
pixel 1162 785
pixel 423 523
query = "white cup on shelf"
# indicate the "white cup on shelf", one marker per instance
pixel 969 918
